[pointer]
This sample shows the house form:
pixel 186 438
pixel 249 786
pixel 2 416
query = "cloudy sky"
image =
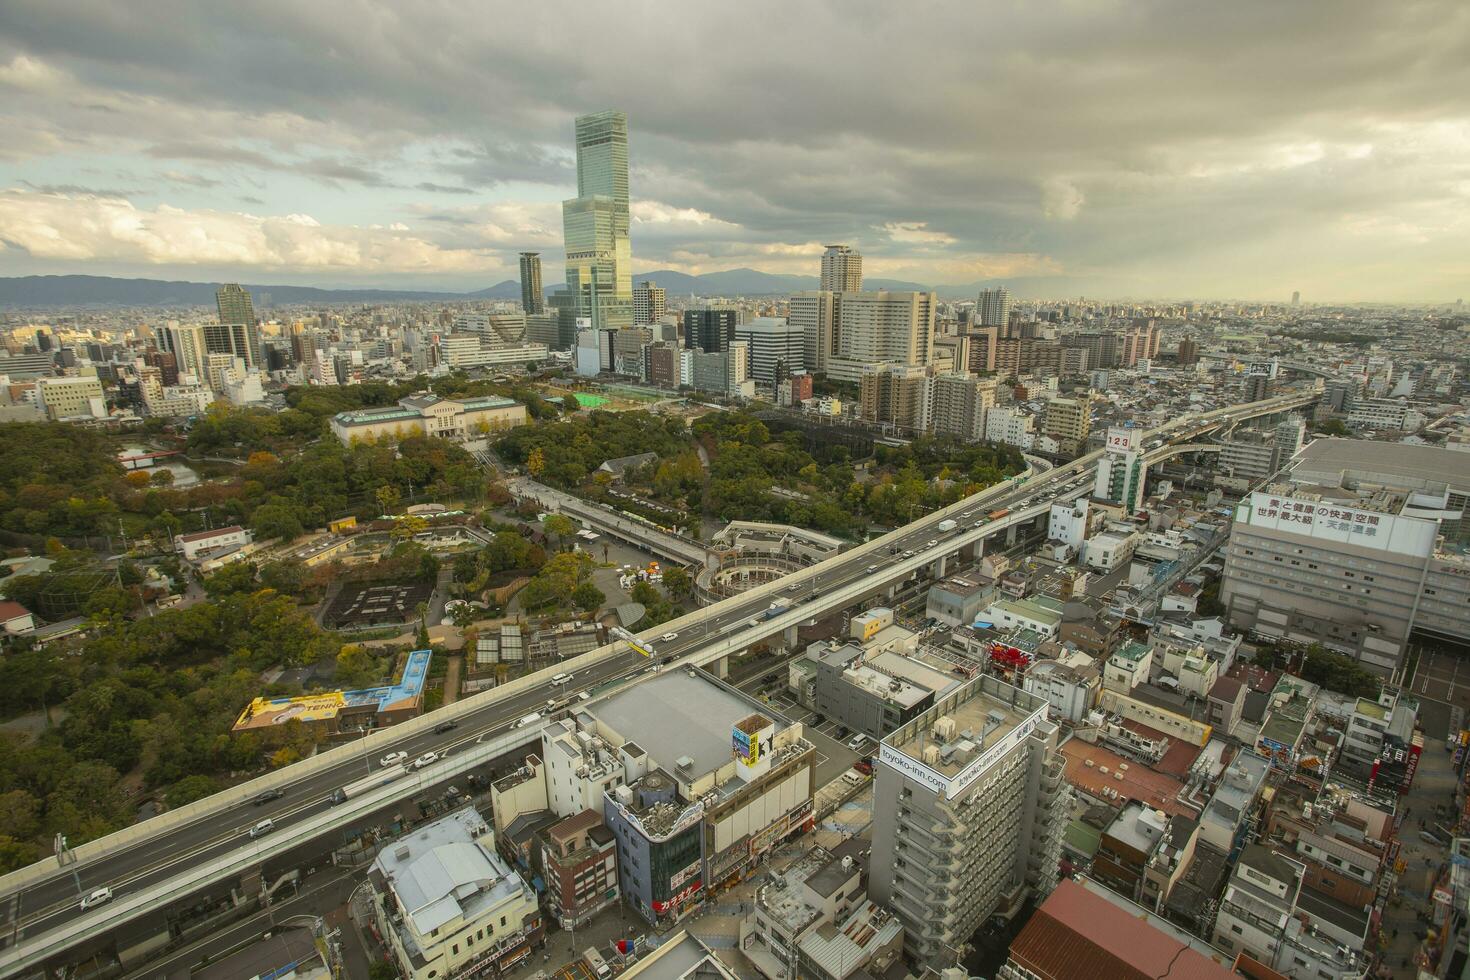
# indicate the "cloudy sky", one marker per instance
pixel 1129 149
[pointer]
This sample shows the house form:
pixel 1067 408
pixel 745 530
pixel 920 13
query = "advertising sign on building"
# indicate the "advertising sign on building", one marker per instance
pixel 1123 440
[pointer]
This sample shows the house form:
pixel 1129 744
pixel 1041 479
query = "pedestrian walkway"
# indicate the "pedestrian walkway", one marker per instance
pixel 1431 800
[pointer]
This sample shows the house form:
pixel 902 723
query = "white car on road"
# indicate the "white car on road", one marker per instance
pixel 669 637
pixel 393 759
pixel 99 897
pixel 427 759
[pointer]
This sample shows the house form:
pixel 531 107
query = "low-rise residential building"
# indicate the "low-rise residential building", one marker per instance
pixel 1069 686
pixel 1082 930
pixel 579 866
pixel 814 921
pixel 448 905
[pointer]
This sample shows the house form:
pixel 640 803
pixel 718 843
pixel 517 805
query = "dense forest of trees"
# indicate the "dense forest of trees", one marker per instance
pixel 153 697
pixel 567 453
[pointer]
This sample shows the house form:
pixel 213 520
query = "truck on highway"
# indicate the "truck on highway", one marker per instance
pixel 367 784
pixel 996 515
pixel 776 608
pixel 945 526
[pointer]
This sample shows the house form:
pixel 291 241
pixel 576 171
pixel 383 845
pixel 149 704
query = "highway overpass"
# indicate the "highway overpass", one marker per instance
pixel 165 860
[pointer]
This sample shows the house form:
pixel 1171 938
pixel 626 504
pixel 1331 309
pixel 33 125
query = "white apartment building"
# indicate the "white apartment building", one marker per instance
pixel 1010 426
pixel 881 328
pixel 648 304
pixel 1386 413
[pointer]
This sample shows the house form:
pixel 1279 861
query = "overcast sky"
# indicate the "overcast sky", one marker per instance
pixel 1236 149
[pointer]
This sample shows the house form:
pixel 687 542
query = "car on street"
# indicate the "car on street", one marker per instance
pixel 445 726
pixel 669 637
pixel 393 759
pixel 100 896
pixel 263 828
pixel 931 542
pixel 427 759
pixel 269 796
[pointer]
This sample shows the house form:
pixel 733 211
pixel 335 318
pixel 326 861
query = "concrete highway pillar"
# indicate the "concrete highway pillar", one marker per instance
pixel 939 567
pixel 720 668
pixel 789 637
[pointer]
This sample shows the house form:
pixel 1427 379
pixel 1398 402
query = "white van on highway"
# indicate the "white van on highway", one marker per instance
pixel 530 719
pixel 562 678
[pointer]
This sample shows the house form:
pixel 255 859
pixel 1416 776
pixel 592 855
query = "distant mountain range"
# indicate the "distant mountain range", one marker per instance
pixel 74 291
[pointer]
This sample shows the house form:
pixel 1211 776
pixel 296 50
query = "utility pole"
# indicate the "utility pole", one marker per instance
pixel 65 855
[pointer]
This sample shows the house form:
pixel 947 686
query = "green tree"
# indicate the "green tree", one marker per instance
pixel 677 582
pixel 237 576
pixel 561 527
pixel 588 597
pixel 356 666
pixel 387 497
pixel 276 520
pixel 191 788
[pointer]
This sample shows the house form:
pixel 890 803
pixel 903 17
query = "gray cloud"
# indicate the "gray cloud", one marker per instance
pixel 1175 147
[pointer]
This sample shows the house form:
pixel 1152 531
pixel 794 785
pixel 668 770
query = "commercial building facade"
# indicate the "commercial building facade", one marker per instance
pixel 460 419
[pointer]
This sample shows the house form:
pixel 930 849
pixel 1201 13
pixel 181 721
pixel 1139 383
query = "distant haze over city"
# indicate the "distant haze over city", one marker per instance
pixel 1213 151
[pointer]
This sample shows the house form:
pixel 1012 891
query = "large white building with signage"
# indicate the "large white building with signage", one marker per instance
pixel 969 805
pixel 1362 548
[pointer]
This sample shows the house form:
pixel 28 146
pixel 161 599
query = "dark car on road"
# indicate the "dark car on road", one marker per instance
pixel 445 726
pixel 269 796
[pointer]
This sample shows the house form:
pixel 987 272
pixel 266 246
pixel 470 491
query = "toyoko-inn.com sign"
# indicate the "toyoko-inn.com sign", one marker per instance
pixel 1332 521
pixel 954 786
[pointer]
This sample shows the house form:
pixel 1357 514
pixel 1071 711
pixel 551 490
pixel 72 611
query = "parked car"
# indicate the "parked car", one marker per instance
pixel 863 766
pixel 100 896
pixel 269 796
pixel 427 759
pixel 393 759
pixel 856 742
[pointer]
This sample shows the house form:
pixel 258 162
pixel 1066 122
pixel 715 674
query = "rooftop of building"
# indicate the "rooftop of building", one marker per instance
pixel 1355 456
pixel 1139 782
pixel 1132 652
pixel 674 715
pixel 982 714
pixel 681 958
pixel 1079 932
pixel 447 870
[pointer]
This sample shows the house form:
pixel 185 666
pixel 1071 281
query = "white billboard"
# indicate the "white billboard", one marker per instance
pixel 1329 521
pixel 1123 440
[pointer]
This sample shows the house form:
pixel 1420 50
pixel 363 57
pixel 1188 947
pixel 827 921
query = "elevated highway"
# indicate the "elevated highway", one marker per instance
pixel 167 859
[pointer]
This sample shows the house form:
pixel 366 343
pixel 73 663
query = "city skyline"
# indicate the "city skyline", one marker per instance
pixel 1185 154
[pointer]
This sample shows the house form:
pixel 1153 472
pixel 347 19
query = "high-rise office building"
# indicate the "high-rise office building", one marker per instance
pixel 777 348
pixel 1296 297
pixel 648 303
pixel 709 330
pixel 235 309
pixel 881 328
pixel 595 227
pixel 186 343
pixel 993 307
pixel 1188 352
pixel 969 807
pixel 842 270
pixel 815 312
pixel 533 298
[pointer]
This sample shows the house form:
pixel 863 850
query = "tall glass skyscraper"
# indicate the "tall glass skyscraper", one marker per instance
pixel 595 227
pixel 241 333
